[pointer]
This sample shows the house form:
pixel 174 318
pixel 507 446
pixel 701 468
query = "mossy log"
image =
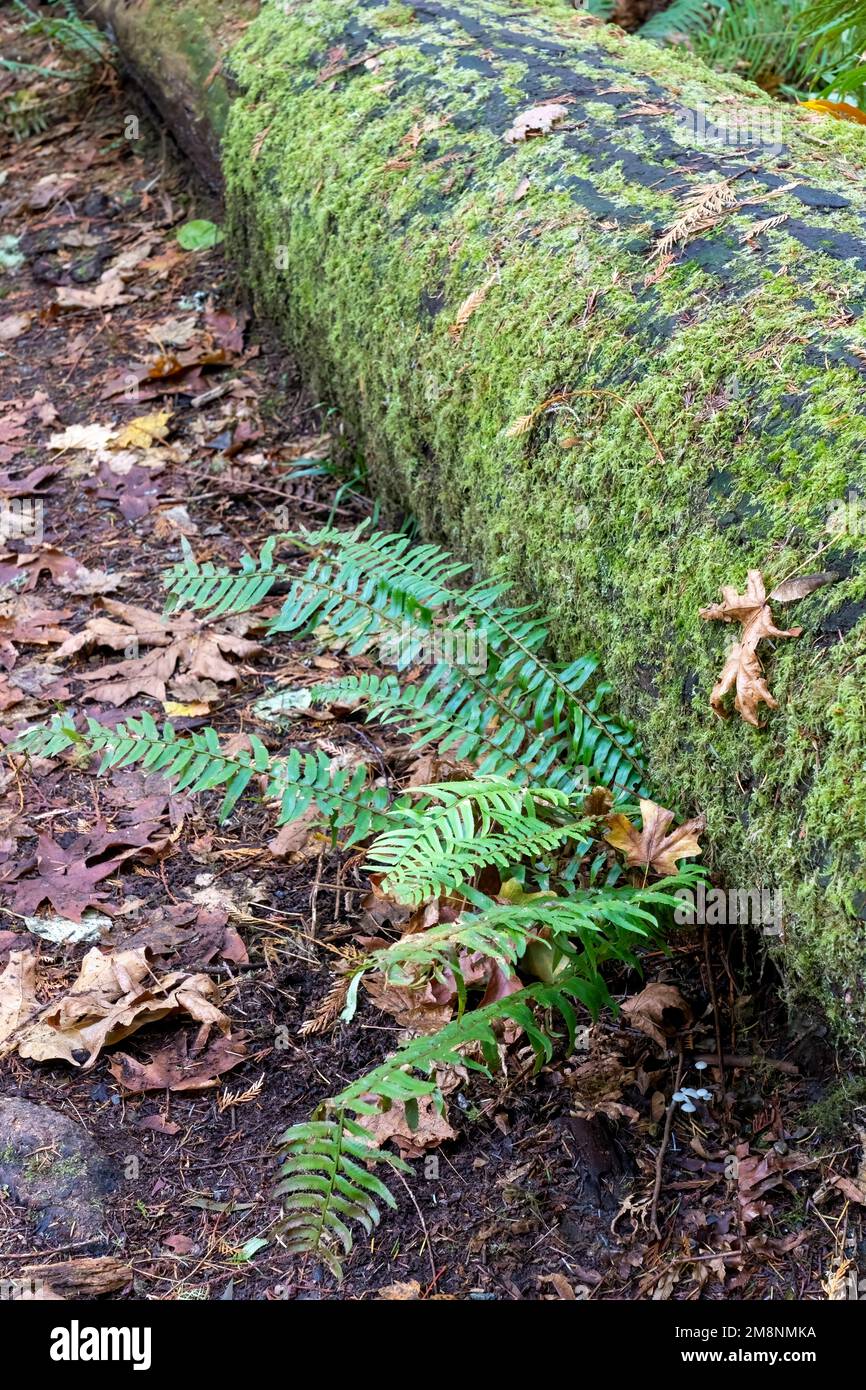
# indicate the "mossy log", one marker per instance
pixel 441 281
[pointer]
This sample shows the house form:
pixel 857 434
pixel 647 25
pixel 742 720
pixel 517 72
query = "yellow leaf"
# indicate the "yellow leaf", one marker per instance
pixel 141 432
pixel 178 711
pixel 839 110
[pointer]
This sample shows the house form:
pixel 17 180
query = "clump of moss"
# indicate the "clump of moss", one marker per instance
pixel 834 1114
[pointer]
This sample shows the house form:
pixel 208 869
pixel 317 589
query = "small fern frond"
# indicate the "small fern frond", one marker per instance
pixel 458 828
pixel 324 1186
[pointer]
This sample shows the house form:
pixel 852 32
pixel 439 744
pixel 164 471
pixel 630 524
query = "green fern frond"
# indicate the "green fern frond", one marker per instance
pixel 409 1074
pixel 362 586
pixel 682 18
pixel 588 928
pixel 835 31
pixel 457 828
pixel 216 589
pixel 196 760
pixel 324 1186
pixel 323 1181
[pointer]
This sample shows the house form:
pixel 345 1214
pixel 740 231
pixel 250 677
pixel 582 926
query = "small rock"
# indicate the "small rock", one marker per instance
pixel 52 1168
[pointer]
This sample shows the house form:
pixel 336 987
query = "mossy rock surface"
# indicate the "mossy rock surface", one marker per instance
pixel 719 420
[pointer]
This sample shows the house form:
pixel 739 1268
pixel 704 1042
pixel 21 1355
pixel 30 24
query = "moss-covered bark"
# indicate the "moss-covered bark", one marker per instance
pixel 174 50
pixel 371 190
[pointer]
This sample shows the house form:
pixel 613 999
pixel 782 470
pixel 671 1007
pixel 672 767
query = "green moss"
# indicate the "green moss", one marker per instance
pixel 833 1114
pixel 363 243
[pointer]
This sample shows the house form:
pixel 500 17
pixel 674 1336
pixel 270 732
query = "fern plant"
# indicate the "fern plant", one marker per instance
pixel 517 715
pixel 757 39
pixel 535 734
pixel 835 31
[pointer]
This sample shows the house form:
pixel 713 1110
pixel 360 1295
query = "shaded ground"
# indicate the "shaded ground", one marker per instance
pixel 546 1190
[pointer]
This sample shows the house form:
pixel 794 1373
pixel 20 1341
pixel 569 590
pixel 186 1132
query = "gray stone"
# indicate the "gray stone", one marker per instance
pixel 58 1174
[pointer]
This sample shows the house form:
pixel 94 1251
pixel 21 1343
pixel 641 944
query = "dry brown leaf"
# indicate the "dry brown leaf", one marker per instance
pixel 759 1173
pixel 108 293
pixel 792 589
pixel 563 1289
pixel 743 672
pixel 402 1293
pixel 295 839
pixel 432 1128
pixel 653 845
pixel 17 992
pixel 538 120
pixel 13 325
pixel 851 1190
pixel 660 1011
pixel 114 996
pixel 178 1067
pixel 185 652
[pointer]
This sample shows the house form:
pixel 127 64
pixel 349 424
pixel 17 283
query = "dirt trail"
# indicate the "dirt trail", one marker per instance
pixel 545 1190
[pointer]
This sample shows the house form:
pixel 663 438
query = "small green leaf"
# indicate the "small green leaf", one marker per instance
pixel 199 235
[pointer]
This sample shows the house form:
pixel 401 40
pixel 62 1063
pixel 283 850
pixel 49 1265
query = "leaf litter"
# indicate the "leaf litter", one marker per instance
pixel 169 973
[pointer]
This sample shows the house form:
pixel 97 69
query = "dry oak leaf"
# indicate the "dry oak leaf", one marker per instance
pixel 743 672
pixel 114 996
pixel 652 845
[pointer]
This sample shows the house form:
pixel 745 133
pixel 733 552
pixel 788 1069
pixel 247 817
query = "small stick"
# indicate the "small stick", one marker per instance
pixel 660 1156
pixel 434 1276
pixel 716 1021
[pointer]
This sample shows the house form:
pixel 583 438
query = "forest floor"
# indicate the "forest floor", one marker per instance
pixel 534 1187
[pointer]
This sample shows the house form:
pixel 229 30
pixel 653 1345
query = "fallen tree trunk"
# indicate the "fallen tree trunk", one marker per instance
pixel 584 367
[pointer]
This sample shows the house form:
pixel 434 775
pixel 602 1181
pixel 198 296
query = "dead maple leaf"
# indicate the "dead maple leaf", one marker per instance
pixel 31 625
pixel 743 672
pixel 757 1174
pixel 107 294
pixel 135 491
pixel 184 651
pixel 89 437
pixel 431 1130
pixel 33 563
pixel 179 1067
pixel 64 877
pixel 141 432
pixel 29 484
pixel 653 846
pixel 432 1127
